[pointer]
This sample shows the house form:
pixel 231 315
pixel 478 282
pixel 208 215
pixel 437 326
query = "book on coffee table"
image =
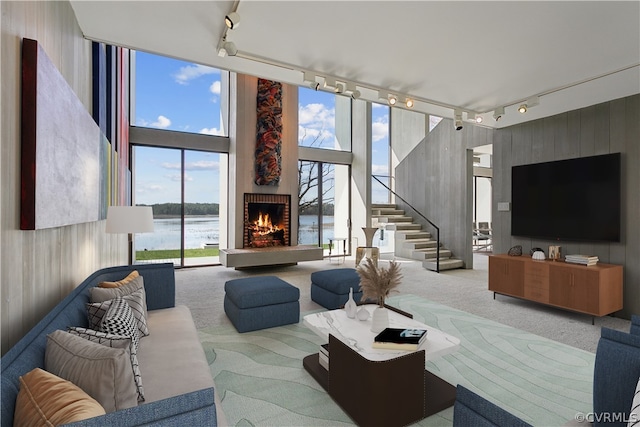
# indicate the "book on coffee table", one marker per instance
pixel 400 339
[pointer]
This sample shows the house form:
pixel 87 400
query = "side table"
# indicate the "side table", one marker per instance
pixel 344 248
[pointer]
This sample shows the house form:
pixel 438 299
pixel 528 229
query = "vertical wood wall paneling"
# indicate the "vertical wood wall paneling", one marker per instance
pixel 600 129
pixel 38 268
pixel 632 215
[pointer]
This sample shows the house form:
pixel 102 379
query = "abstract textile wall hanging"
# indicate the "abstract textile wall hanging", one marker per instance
pixel 268 157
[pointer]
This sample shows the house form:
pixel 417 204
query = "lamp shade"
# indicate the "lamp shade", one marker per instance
pixel 129 219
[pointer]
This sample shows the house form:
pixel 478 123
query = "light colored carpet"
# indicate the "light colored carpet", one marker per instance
pixel 202 290
pixel 260 379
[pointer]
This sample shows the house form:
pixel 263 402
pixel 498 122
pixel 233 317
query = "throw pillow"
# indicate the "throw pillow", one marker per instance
pixel 119 320
pixel 45 399
pixel 115 341
pixel 119 283
pixel 104 373
pixel 96 311
pixel 634 416
pixel 97 294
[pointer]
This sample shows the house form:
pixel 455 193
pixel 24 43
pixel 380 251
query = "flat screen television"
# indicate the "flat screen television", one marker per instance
pixel 572 200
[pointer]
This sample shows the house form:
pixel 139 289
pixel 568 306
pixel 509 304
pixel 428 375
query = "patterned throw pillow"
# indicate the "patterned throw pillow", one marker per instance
pixel 96 310
pixel 119 320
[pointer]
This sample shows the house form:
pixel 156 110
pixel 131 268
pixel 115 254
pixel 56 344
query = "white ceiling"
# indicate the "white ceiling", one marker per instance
pixel 473 55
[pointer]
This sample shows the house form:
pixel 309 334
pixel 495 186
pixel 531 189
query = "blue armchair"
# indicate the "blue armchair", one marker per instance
pixel 471 409
pixel 635 324
pixel 615 376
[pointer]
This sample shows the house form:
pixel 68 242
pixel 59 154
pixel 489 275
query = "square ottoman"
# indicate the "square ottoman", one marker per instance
pixel 261 302
pixel 330 288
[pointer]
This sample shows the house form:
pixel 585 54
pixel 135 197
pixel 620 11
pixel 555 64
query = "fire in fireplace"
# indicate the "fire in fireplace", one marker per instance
pixel 266 220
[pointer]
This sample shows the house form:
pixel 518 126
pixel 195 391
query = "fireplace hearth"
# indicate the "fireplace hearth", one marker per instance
pixel 266 220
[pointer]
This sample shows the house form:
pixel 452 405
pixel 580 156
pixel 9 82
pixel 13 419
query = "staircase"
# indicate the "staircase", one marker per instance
pixel 411 241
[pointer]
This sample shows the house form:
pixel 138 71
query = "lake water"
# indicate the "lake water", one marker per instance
pixel 201 230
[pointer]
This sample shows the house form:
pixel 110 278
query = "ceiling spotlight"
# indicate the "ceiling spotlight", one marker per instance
pixel 392 100
pixel 227 48
pixel 478 118
pixel 457 123
pixel 330 84
pixel 310 80
pixel 498 113
pixel 409 103
pixel 351 90
pixel 522 108
pixel 232 20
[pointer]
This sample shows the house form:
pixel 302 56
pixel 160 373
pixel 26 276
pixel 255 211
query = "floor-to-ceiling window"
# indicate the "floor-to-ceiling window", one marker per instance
pixel 324 182
pixel 178 135
pixel 380 152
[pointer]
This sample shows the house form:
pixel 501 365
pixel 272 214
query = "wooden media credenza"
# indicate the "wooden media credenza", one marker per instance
pixel 594 290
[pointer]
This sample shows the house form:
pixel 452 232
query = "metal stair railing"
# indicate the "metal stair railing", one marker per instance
pixel 419 213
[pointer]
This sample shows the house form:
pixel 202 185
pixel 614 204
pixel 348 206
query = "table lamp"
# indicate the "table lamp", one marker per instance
pixel 129 219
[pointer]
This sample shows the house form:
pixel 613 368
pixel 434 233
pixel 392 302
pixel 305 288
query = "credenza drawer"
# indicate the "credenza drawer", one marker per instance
pixel 536 294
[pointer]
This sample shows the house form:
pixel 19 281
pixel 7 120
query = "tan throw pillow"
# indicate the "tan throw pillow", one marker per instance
pixel 45 399
pixel 104 373
pixel 119 283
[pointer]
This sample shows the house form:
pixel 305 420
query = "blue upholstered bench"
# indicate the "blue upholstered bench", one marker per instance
pixel 261 302
pixel 330 288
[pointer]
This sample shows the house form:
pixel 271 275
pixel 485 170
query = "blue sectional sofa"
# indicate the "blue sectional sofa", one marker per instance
pixel 616 373
pixel 178 384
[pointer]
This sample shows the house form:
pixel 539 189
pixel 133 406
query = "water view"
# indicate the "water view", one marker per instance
pixel 199 231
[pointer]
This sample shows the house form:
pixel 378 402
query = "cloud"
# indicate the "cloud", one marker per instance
pixel 317 115
pixel 201 165
pixel 148 188
pixel 192 166
pixel 379 130
pixel 161 122
pixel 174 166
pixel 176 177
pixel 191 72
pixel 380 169
pixel 316 123
pixel 215 87
pixel 211 131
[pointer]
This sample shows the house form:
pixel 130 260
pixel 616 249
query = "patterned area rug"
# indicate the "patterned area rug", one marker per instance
pixel 260 380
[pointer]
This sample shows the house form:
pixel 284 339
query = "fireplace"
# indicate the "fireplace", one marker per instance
pixel 267 220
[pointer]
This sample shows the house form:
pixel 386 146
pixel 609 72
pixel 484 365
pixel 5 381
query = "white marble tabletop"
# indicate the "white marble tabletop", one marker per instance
pixel 357 334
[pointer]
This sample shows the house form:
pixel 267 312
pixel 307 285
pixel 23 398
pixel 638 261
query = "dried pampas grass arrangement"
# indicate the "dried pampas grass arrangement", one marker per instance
pixel 376 283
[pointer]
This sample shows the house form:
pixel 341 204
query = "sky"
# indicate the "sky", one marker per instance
pixel 181 96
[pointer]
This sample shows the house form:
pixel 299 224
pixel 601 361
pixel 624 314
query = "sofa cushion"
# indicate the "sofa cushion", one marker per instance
pixel 45 399
pixel 172 359
pixel 133 292
pixel 119 283
pixel 104 373
pixel 119 320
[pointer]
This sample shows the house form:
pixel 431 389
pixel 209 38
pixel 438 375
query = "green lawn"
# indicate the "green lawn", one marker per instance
pixel 175 253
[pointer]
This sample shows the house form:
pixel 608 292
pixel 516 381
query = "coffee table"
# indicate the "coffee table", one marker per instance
pixel 379 386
